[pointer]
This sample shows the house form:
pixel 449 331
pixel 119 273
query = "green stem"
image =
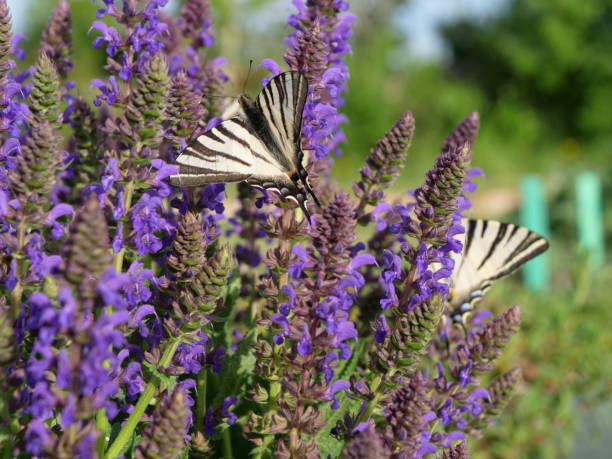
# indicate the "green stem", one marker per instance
pixel 6 418
pixel 127 203
pixel 18 290
pixel 362 203
pixel 143 402
pixel 201 400
pixel 377 388
pixel 103 427
pixel 227 443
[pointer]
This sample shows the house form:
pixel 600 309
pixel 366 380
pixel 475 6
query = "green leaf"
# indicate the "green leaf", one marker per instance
pixel 326 442
pixel 168 381
pixel 233 289
pixel 330 446
pixel 238 370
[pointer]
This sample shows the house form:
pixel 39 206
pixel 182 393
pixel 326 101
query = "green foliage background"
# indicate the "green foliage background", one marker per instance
pixel 540 73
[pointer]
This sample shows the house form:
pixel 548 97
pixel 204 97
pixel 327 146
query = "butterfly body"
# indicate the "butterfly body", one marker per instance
pixel 491 250
pixel 259 144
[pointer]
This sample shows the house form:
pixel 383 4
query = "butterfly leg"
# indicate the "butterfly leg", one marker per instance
pixel 303 175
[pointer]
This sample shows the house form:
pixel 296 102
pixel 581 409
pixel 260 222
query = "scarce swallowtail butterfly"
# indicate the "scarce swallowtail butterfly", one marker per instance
pixel 491 250
pixel 259 144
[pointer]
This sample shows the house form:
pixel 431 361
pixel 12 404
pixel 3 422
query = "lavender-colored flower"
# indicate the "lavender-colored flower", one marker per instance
pixel 487 343
pixel 384 164
pixel 317 48
pixel 368 443
pixel 196 23
pixel 85 253
pixel 100 322
pixel 147 222
pixel 184 112
pixel 164 436
pixel 404 410
pixel 36 171
pixel 44 99
pixel 309 53
pixel 110 36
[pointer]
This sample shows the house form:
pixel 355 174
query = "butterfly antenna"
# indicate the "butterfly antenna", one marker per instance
pixel 246 80
pixel 314 196
pixel 305 210
pixel 304 179
pixel 302 203
pixel 464 328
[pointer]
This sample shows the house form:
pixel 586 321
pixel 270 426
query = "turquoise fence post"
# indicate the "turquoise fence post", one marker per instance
pixel 534 215
pixel 589 217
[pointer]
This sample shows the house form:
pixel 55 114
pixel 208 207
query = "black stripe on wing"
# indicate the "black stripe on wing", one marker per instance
pixel 501 232
pixel 530 247
pixel 282 102
pixel 202 152
pixel 256 122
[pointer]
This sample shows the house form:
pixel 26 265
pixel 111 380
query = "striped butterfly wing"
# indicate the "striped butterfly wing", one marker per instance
pixel 256 145
pixel 229 152
pixel 491 250
pixel 281 102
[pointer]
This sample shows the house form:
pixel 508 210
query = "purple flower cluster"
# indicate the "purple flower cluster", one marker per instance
pixel 130 326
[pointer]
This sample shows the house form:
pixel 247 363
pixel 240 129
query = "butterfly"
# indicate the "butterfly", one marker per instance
pixel 259 144
pixel 491 250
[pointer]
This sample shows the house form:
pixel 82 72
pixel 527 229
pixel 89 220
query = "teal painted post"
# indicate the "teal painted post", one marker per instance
pixel 589 216
pixel 534 215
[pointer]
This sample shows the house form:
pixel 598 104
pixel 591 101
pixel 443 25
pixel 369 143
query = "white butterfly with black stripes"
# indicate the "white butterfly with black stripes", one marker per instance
pixel 259 145
pixel 491 250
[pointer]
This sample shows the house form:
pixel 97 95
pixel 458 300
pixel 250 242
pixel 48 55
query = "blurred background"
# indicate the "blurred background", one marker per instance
pixel 540 74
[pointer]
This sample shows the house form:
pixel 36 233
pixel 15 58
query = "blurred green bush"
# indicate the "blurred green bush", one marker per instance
pixel 563 349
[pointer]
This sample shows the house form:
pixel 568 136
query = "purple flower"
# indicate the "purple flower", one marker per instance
pixel 110 36
pixel 60 210
pixel 305 344
pixel 295 270
pixel 146 222
pixel 137 290
pixel 37 436
pixel 109 93
pixel 382 329
pixel 230 417
pixel 334 388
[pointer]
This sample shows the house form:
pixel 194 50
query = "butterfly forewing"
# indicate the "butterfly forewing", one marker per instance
pixel 491 250
pixel 282 103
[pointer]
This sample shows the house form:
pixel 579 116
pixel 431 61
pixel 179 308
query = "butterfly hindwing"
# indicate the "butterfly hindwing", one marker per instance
pixel 222 154
pixel 491 250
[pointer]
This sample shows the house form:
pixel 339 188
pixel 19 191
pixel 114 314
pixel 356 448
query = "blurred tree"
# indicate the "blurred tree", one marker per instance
pixel 546 61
